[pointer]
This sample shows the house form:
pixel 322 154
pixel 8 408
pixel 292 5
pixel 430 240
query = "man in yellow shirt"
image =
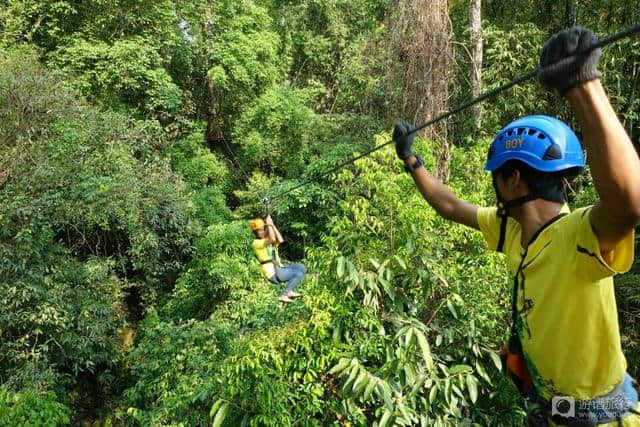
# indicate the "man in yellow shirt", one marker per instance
pixel 564 352
pixel 265 245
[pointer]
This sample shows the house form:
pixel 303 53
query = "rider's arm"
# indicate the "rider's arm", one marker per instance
pixel 613 162
pixel 279 238
pixel 442 199
pixel 274 233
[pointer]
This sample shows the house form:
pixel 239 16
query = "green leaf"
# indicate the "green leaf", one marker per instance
pixel 458 369
pixel 352 377
pixel 386 417
pixel 221 415
pixel 218 75
pixel 417 385
pixel 426 350
pixel 337 333
pixel 340 269
pixel 408 372
pixel 362 379
pixel 457 391
pixel 472 386
pixel 452 309
pixel 458 298
pixel 214 407
pixel 453 405
pixel 385 393
pixel 400 262
pixel 433 393
pixel 411 245
pixel 369 389
pixel 496 360
pixel 408 337
pixel 447 389
pixel 482 372
pixel 342 364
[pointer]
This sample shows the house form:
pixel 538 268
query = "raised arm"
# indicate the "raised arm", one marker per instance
pixel 569 66
pixel 438 195
pixel 613 162
pixel 272 229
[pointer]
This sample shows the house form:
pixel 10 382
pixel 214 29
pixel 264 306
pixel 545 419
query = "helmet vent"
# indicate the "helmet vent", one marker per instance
pixel 531 132
pixel 553 153
pixel 521 131
pixel 541 135
pixel 510 133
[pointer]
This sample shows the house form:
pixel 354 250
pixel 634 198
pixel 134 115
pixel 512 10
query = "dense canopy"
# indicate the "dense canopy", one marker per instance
pixel 137 139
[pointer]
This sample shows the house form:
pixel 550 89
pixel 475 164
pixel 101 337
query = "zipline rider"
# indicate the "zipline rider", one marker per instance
pixel 564 352
pixel 268 238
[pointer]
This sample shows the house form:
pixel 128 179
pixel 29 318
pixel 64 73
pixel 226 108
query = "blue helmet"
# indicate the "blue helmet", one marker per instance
pixel 544 143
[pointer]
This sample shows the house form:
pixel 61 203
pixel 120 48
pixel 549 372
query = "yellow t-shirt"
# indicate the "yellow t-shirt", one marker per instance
pixel 568 322
pixel 264 253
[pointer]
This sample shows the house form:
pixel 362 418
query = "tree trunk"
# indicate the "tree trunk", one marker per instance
pixel 214 133
pixel 475 22
pixel 214 121
pixel 419 68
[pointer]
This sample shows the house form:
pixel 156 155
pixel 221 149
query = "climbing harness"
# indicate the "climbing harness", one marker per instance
pixel 512 353
pixel 614 406
pixel 273 259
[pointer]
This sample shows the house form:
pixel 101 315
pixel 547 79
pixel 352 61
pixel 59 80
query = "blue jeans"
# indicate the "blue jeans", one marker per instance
pixel 292 274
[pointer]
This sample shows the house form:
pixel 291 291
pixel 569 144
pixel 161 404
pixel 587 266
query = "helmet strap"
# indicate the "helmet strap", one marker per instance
pixel 505 205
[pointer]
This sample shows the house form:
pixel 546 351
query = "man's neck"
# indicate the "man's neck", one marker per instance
pixel 533 215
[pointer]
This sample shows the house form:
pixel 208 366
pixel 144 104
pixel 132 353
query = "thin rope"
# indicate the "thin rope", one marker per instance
pixel 490 94
pixel 235 160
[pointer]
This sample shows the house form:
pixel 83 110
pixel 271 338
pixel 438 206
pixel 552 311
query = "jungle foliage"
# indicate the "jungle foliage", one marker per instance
pixel 137 138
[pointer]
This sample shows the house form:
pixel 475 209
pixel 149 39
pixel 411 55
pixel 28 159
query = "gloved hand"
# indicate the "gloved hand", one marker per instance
pixel 402 139
pixel 565 61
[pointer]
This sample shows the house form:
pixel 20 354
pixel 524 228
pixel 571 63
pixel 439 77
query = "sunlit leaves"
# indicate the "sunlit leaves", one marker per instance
pixel 30 407
pixel 219 412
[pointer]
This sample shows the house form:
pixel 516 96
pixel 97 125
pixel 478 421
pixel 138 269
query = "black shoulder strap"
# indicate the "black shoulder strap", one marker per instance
pixel 514 301
pixel 503 232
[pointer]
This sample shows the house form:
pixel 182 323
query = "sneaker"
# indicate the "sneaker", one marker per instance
pixel 293 294
pixel 285 299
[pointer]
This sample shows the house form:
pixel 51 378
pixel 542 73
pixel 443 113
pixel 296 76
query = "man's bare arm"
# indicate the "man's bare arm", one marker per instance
pixel 442 199
pixel 613 162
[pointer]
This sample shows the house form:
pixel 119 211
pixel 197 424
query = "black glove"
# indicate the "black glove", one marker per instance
pixel 402 139
pixel 565 60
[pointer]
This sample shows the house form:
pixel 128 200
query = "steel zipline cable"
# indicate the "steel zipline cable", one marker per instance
pixel 234 160
pixel 490 94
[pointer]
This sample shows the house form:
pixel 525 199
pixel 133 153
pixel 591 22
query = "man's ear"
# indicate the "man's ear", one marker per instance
pixel 514 180
pixel 516 184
